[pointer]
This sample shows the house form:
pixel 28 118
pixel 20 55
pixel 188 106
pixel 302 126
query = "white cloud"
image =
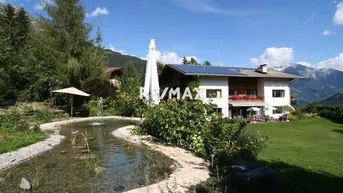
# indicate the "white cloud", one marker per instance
pixel 170 57
pixel 274 57
pixel 98 11
pixel 207 6
pixel 312 16
pixel 305 63
pixel 335 63
pixel 38 6
pixel 338 17
pixel 328 32
pixel 111 47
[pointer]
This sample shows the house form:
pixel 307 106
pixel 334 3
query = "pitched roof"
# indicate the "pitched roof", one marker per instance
pixel 229 71
pixel 205 70
pixel 110 69
pixel 270 74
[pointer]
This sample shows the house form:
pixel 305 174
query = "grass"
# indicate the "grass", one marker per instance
pixel 19 139
pixel 308 154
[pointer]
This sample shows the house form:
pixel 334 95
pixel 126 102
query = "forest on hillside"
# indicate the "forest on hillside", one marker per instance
pixel 40 54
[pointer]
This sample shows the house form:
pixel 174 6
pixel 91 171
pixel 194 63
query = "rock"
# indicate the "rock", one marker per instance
pixel 25 184
pixel 141 183
pixel 99 170
pixel 119 188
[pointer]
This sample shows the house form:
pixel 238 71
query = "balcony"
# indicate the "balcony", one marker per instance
pixel 246 98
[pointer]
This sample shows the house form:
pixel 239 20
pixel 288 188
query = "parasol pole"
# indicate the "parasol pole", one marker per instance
pixel 71 104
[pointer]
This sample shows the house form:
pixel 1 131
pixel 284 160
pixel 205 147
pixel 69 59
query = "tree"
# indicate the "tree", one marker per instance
pixel 207 63
pixel 15 31
pixel 79 59
pixel 194 61
pixel 160 67
pixel 130 80
pixel 185 61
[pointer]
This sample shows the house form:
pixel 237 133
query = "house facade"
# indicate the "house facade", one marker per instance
pixel 235 90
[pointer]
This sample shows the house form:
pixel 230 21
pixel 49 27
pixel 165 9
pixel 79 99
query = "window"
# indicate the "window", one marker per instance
pixel 278 93
pixel 278 110
pixel 233 92
pixel 218 111
pixel 251 92
pixel 213 93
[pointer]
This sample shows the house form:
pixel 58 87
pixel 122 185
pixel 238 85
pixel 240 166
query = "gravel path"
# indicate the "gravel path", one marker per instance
pixel 13 158
pixel 190 170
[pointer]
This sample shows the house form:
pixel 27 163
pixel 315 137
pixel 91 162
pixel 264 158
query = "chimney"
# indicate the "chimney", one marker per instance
pixel 263 68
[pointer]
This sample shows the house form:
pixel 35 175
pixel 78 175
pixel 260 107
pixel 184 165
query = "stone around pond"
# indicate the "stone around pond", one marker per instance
pixel 141 183
pixel 119 188
pixel 99 170
pixel 25 184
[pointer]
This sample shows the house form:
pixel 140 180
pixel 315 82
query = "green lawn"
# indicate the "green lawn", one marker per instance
pixel 308 155
pixel 18 140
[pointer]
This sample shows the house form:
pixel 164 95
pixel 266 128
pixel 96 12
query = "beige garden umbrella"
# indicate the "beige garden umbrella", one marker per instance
pixel 71 91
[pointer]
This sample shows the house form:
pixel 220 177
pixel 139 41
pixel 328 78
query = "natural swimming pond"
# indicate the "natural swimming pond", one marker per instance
pixel 112 165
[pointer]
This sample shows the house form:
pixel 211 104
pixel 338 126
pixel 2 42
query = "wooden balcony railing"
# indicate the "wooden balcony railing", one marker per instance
pixel 244 98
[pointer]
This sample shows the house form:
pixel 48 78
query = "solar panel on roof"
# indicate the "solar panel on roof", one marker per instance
pixel 192 69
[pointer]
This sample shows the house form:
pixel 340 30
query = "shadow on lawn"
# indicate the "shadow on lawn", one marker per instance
pixel 294 179
pixel 338 131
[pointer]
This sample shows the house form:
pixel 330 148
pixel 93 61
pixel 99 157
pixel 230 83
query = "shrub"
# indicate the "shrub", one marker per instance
pixel 43 116
pixel 92 106
pixel 292 117
pixel 179 123
pixel 310 116
pixel 195 126
pixel 128 105
pixel 124 105
pixel 13 121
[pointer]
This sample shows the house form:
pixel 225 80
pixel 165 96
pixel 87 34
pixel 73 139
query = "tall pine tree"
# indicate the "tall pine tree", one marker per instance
pixel 130 80
pixel 79 57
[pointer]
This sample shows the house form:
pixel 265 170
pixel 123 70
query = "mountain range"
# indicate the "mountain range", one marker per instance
pixel 116 59
pixel 335 99
pixel 318 85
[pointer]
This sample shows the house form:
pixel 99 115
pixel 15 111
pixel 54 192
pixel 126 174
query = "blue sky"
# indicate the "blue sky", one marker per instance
pixel 224 32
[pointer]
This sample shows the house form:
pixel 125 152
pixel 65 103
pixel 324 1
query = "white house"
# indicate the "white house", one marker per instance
pixel 234 90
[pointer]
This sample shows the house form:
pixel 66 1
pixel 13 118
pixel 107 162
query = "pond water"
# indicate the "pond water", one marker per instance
pixel 112 165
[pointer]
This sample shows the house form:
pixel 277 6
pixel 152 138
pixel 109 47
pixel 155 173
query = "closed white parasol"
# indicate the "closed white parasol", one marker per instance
pixel 151 83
